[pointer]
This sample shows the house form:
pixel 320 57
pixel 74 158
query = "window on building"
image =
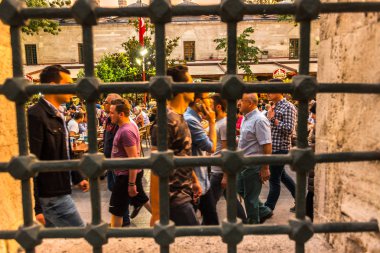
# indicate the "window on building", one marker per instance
pixel 31 54
pixel 189 50
pixel 80 53
pixel 294 48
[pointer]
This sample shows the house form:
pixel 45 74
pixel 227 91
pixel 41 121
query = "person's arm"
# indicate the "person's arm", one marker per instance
pixel 263 135
pixel 198 135
pixel 288 122
pixel 211 118
pixel 78 179
pixel 224 179
pixel 264 172
pixel 132 189
pixel 36 135
pixel 197 189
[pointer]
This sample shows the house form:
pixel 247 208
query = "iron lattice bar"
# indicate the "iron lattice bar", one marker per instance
pixel 161 13
pixel 250 9
pixel 142 87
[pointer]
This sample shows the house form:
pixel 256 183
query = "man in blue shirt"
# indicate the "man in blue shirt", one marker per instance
pixel 255 138
pixel 201 143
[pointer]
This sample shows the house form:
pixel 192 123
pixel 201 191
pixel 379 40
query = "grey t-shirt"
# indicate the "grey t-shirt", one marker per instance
pixel 221 135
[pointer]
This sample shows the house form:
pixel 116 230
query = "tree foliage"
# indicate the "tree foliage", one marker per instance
pixel 114 68
pixel 247 52
pixel 35 26
pixel 124 67
pixel 133 49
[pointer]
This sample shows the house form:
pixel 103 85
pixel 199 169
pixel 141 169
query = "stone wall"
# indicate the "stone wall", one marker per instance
pixel 348 52
pixel 10 190
pixel 270 35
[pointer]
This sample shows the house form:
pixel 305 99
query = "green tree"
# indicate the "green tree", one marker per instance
pixel 247 52
pixel 35 26
pixel 114 68
pixel 133 49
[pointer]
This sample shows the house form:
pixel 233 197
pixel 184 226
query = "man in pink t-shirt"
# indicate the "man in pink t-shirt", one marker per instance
pixel 128 187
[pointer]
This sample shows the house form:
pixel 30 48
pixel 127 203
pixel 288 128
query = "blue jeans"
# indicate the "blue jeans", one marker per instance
pixel 61 212
pixel 216 188
pixel 278 175
pixel 249 187
pixel 111 178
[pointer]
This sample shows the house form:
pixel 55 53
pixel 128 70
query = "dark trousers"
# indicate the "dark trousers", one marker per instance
pixel 111 177
pixel 216 188
pixel 278 175
pixel 207 207
pixel 310 205
pixel 183 215
pixel 120 199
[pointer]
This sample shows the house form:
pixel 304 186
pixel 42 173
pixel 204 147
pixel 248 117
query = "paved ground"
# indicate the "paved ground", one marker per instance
pixel 189 244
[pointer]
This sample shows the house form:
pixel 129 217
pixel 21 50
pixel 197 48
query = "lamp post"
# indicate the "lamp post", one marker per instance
pixel 143 52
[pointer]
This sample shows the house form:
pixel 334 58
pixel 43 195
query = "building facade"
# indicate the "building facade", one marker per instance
pixel 196 43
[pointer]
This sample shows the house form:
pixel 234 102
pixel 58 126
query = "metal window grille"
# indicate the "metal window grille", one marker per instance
pixel 294 48
pixel 232 231
pixel 189 50
pixel 80 53
pixel 31 54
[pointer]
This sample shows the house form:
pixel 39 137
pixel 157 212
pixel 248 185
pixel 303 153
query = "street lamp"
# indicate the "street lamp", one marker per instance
pixel 143 52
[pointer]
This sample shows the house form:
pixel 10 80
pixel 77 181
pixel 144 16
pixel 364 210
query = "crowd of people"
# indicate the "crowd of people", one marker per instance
pixel 197 126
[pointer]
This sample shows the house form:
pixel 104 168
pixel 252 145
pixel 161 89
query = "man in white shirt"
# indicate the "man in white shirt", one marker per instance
pixel 73 125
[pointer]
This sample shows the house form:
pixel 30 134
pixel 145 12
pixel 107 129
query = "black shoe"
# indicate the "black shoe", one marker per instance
pixel 293 209
pixel 268 216
pixel 126 224
pixel 135 211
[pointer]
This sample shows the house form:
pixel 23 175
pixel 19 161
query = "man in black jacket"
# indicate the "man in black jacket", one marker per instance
pixel 49 140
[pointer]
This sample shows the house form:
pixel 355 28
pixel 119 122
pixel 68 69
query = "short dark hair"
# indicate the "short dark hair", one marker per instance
pixel 178 73
pixel 51 74
pixel 78 115
pixel 218 100
pixel 122 105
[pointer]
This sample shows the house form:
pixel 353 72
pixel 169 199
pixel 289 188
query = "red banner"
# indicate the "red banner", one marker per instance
pixel 142 30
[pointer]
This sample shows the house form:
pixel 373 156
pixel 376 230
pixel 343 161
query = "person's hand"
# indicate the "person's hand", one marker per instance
pixel 132 190
pixel 197 191
pixel 41 218
pixel 270 114
pixel 210 114
pixel 84 185
pixel 224 182
pixel 264 173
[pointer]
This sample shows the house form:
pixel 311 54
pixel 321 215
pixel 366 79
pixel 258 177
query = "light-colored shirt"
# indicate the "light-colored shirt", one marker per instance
pixel 146 118
pixel 221 135
pixel 73 126
pixel 255 131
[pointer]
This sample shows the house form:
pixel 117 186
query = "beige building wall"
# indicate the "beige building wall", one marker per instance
pixel 349 50
pixel 10 190
pixel 270 35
